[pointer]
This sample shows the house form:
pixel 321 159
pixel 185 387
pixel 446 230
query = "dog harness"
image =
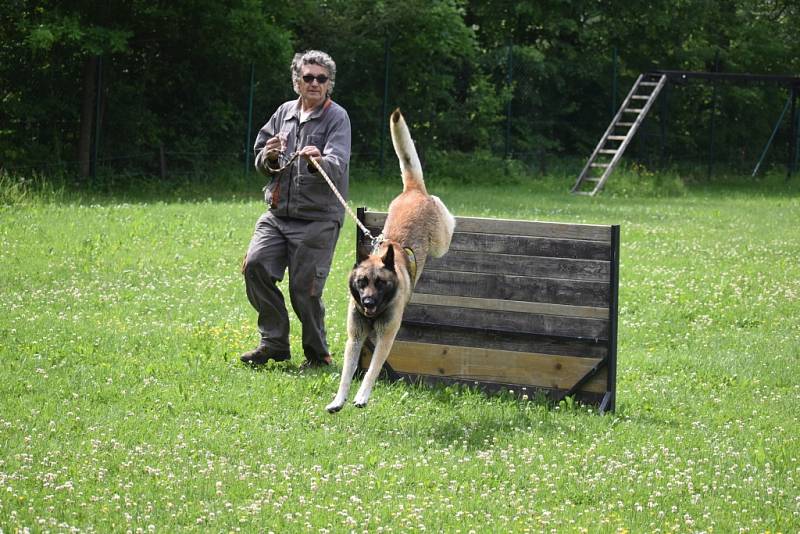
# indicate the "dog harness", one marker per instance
pixel 412 265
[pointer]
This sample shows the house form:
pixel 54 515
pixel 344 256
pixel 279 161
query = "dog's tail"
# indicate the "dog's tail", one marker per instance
pixel 406 153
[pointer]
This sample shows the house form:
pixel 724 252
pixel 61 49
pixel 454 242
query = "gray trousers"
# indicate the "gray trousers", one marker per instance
pixel 306 248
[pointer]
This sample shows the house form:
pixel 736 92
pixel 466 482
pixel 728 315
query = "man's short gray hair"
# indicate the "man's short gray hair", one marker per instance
pixel 313 57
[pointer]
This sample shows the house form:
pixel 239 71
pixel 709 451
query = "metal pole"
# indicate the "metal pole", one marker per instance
pixel 796 133
pixel 794 145
pixel 663 126
pixel 248 146
pixel 614 64
pixel 610 399
pixel 509 81
pixel 97 107
pixel 713 113
pixel 771 137
pixel 385 112
pixel 162 161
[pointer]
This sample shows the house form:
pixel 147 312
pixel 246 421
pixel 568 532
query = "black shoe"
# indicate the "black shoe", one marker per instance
pixel 262 355
pixel 313 363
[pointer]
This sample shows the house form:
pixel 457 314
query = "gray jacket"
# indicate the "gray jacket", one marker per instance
pixel 299 190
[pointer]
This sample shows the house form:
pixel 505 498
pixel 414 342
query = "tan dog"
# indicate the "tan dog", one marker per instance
pixel 418 224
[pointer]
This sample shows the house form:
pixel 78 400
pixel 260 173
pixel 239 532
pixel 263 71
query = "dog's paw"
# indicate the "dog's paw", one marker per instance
pixel 362 397
pixel 334 407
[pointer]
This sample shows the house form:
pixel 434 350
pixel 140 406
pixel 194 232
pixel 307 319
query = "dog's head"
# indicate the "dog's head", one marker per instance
pixel 374 283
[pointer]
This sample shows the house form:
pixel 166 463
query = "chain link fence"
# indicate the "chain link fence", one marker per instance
pixel 546 122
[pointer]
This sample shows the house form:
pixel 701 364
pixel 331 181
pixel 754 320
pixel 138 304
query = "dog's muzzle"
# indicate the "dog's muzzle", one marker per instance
pixel 370 305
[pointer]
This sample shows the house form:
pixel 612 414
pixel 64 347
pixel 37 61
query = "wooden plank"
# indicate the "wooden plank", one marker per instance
pixel 524 246
pixel 486 365
pixel 591 232
pixel 547 325
pixel 520 288
pixel 534 266
pixel 530 246
pixel 539 266
pixel 540 308
pixel 512 341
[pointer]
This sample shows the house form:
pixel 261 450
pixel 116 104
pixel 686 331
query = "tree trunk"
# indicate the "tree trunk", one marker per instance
pixel 87 115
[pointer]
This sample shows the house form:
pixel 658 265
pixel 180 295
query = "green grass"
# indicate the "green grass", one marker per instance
pixel 123 406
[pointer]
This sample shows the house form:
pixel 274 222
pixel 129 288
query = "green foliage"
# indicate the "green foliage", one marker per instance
pixel 522 80
pixel 53 29
pixel 473 168
pixel 18 190
pixel 637 180
pixel 432 71
pixel 181 89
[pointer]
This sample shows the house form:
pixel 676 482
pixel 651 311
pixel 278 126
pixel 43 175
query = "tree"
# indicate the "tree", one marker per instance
pixel 432 68
pixel 168 72
pixel 177 74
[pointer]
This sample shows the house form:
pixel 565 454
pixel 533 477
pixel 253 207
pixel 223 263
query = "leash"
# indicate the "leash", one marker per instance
pixel 285 165
pixel 375 241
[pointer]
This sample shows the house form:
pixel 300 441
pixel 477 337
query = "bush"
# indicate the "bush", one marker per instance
pixel 15 189
pixel 474 167
pixel 638 180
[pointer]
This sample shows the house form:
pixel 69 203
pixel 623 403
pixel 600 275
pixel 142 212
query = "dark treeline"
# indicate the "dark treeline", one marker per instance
pixel 534 81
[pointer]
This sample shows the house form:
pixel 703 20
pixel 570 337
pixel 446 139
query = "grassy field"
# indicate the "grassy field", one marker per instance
pixel 123 406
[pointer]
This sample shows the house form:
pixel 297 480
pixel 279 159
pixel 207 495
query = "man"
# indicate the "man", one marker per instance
pixel 300 229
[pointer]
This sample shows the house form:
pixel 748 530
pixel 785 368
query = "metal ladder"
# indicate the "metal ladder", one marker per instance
pixel 618 136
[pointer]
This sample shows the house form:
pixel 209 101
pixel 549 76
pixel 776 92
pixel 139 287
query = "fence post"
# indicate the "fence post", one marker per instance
pixel 162 161
pixel 385 111
pixel 663 116
pixel 796 131
pixel 713 113
pixel 97 108
pixel 509 82
pixel 247 146
pixel 794 145
pixel 614 61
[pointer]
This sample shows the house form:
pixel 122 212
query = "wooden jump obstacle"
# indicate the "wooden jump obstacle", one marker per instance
pixel 517 305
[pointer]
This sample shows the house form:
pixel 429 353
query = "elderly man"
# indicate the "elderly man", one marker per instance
pixel 301 226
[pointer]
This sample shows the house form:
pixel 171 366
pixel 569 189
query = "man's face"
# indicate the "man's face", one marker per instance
pixel 312 91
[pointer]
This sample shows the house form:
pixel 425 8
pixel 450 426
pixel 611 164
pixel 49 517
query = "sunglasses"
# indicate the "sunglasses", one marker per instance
pixel 321 78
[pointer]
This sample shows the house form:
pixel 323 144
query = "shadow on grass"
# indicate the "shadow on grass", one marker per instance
pixel 472 417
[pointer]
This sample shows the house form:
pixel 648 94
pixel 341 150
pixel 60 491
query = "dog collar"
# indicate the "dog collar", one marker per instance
pixel 412 264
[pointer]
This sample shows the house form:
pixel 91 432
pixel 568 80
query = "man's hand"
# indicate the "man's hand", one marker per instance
pixel 309 152
pixel 275 145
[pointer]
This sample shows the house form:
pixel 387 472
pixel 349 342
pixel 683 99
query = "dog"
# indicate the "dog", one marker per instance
pixel 417 225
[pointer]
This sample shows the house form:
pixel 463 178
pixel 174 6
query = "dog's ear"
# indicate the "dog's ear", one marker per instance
pixel 388 258
pixel 351 284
